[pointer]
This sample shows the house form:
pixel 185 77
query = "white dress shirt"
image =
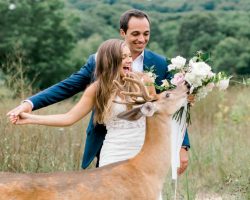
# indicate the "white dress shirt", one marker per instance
pixel 137 65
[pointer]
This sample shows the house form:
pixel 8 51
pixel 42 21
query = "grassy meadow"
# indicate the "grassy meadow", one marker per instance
pixel 219 158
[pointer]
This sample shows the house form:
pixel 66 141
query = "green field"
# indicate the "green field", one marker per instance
pixel 219 159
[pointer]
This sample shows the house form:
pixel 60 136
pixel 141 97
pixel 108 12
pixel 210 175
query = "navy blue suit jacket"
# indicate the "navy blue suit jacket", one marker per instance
pixel 78 82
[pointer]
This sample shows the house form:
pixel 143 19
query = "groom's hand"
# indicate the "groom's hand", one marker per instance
pixel 14 113
pixel 183 161
pixel 191 99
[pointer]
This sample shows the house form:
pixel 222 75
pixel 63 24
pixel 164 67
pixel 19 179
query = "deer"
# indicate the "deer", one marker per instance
pixel 141 177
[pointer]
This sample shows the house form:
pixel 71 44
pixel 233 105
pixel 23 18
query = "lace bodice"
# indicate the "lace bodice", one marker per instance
pixel 115 122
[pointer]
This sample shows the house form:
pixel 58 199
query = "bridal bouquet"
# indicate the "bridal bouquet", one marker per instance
pixel 198 75
pixel 200 78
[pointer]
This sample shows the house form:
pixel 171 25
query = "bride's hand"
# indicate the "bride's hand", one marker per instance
pixel 22 118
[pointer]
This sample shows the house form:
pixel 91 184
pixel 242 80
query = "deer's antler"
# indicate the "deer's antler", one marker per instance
pixel 136 93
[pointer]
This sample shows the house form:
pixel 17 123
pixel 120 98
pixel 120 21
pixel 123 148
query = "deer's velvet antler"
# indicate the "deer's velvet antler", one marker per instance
pixel 137 93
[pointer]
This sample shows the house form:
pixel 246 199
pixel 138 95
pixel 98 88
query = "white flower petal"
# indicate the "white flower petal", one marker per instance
pixel 177 62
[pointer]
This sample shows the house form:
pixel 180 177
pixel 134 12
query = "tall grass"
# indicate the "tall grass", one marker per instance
pixel 219 158
pixel 32 148
pixel 16 76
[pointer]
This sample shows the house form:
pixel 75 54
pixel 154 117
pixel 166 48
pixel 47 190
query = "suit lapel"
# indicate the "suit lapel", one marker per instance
pixel 150 61
pixel 147 61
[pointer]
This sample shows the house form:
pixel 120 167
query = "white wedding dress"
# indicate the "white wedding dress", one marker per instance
pixel 124 139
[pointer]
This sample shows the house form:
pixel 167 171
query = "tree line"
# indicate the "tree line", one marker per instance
pixel 50 40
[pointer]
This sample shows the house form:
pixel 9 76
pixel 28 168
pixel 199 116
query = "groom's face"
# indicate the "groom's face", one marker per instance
pixel 137 35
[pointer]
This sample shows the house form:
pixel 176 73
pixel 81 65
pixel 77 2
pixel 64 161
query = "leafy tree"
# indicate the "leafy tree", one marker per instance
pixel 233 56
pixel 83 49
pixel 197 32
pixel 167 33
pixel 209 5
pixel 234 25
pixel 45 38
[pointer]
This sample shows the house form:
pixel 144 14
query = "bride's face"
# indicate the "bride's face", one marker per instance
pixel 126 61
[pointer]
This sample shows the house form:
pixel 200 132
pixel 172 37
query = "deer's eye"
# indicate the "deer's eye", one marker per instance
pixel 167 95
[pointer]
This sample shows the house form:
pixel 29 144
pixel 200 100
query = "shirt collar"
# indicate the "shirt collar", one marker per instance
pixel 140 57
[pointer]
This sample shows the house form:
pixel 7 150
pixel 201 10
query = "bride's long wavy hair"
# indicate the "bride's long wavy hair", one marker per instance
pixel 108 66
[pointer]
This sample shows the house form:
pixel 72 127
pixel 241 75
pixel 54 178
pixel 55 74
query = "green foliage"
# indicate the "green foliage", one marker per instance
pixel 198 31
pixel 102 20
pixel 83 49
pixel 42 33
pixel 56 37
pixel 233 55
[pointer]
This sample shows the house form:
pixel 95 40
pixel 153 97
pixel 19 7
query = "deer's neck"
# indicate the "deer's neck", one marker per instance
pixel 154 157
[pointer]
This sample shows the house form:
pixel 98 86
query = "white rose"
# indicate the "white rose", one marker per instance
pixel 223 84
pixel 177 63
pixel 193 80
pixel 201 69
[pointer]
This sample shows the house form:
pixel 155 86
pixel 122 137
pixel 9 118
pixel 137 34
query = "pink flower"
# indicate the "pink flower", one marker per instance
pixel 178 79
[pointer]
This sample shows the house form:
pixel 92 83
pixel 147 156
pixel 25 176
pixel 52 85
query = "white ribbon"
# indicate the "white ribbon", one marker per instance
pixel 177 136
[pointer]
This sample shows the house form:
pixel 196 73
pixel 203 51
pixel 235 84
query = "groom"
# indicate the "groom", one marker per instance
pixel 135 30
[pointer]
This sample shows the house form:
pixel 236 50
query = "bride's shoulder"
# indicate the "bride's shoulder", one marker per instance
pixel 91 89
pixel 94 85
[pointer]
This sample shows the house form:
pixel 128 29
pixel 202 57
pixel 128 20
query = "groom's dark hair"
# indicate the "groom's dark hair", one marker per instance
pixel 125 17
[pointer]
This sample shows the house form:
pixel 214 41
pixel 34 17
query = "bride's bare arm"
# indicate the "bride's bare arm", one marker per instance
pixel 80 110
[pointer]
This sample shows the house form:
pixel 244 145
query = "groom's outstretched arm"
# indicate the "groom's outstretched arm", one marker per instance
pixel 67 88
pixel 75 83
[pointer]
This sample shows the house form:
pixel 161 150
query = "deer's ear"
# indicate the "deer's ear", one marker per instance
pixel 131 115
pixel 148 109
